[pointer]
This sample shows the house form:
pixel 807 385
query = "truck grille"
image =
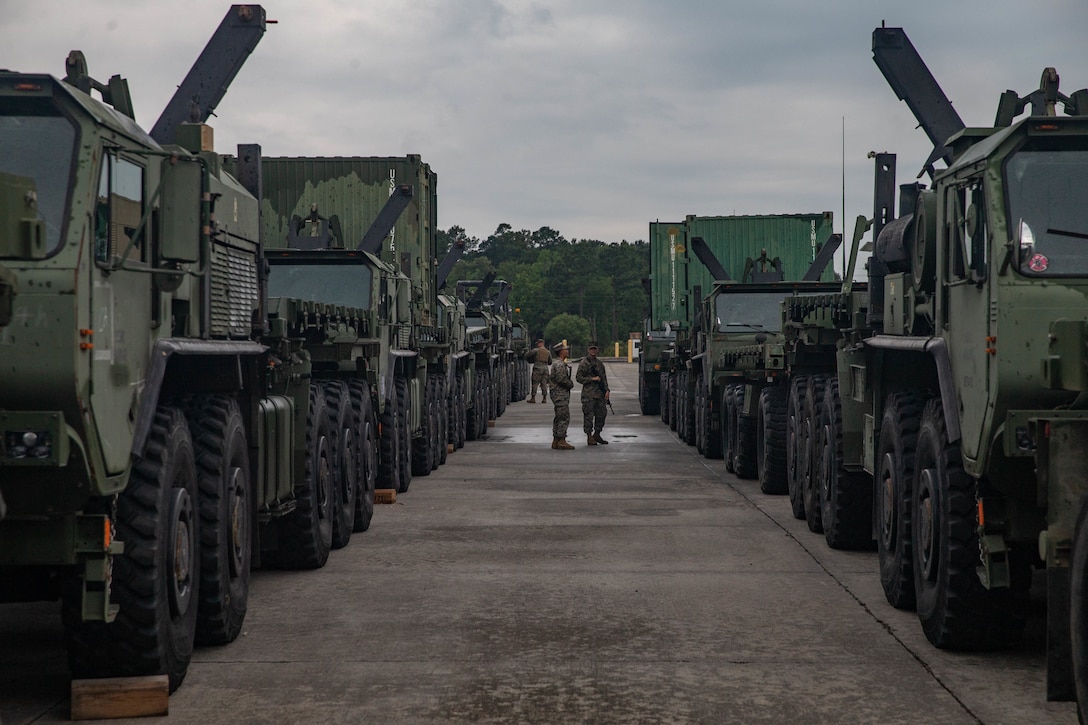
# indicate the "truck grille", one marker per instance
pixel 234 292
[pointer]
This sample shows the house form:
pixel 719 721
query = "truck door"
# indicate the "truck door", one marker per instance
pixel 968 294
pixel 121 305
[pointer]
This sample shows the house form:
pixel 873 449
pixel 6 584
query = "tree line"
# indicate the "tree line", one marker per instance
pixel 579 290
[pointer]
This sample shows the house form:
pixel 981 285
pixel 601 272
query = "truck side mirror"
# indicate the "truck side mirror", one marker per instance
pixel 182 189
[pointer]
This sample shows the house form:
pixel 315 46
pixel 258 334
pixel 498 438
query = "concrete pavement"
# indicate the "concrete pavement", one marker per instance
pixel 634 582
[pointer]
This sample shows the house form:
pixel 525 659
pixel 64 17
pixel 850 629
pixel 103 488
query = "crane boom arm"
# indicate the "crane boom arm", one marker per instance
pixel 212 73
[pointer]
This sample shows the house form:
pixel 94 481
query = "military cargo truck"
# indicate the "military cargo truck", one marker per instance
pixel 739 368
pixel 176 434
pixel 967 421
pixel 338 209
pixel 751 249
pixel 519 347
pixel 669 311
pixel 489 342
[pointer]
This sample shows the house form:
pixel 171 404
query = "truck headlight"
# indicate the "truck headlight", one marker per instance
pixel 33 443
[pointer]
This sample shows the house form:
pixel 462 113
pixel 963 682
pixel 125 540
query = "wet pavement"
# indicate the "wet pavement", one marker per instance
pixel 634 582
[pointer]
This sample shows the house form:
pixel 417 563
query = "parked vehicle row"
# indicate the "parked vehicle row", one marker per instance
pixel 210 362
pixel 935 412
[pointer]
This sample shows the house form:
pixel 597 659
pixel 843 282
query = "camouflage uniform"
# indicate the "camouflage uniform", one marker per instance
pixel 594 408
pixel 541 358
pixel 561 385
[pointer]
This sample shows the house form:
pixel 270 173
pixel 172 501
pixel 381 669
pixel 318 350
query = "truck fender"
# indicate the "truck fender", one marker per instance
pixel 161 353
pixel 938 350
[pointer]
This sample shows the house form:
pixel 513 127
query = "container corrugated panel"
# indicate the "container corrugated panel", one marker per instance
pixel 355 189
pixel 668 275
pixel 792 238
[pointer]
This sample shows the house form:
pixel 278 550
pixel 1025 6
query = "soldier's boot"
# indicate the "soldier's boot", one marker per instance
pixel 544 398
pixel 601 441
pixel 590 440
pixel 532 399
pixel 563 445
pixel 555 444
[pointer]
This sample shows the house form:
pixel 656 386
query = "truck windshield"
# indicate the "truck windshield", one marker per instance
pixel 749 311
pixel 36 149
pixel 338 284
pixel 1047 213
pixel 475 322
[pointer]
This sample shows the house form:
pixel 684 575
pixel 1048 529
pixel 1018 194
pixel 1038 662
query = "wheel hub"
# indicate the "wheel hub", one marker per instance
pixel 927 525
pixel 324 492
pixel 180 552
pixel 239 522
pixel 887 504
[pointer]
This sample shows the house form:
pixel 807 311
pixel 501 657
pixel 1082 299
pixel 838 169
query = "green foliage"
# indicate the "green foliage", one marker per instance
pixel 599 283
pixel 573 329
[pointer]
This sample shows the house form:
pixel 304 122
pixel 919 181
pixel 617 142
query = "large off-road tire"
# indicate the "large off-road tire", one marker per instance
pixel 443 407
pixel 689 409
pixel 434 417
pixel 504 388
pixel 227 516
pixel 390 443
pixel 476 423
pixel 665 398
pixel 795 444
pixel 845 497
pixel 488 397
pixel 649 398
pixel 682 405
pixel 1078 608
pixel 810 422
pixel 714 450
pixel 729 427
pixel 305 534
pixel 700 415
pixel 345 466
pixel 459 411
pixel 404 404
pixel 156 581
pixel 423 447
pixel 892 487
pixel 771 440
pixel 451 414
pixel 366 453
pixel 955 610
pixel 744 446
pixel 674 400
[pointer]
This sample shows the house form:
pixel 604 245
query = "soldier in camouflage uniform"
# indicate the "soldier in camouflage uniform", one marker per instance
pixel 561 385
pixel 541 358
pixel 591 374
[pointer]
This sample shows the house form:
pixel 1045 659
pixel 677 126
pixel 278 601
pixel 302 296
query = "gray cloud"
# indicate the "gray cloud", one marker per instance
pixel 593 118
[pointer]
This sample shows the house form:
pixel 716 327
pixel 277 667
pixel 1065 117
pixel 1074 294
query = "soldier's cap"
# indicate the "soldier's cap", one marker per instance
pixel 560 346
pixel 592 346
pixel 540 341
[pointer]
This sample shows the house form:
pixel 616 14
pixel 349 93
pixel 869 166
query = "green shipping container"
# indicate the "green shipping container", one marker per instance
pixel 675 271
pixel 794 239
pixel 354 189
pixel 669 303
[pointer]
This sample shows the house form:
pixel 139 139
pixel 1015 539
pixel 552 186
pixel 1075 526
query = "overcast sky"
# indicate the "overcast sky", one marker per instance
pixel 593 117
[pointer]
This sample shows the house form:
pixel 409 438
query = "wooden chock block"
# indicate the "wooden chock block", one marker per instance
pixel 450 448
pixel 385 495
pixel 116 697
